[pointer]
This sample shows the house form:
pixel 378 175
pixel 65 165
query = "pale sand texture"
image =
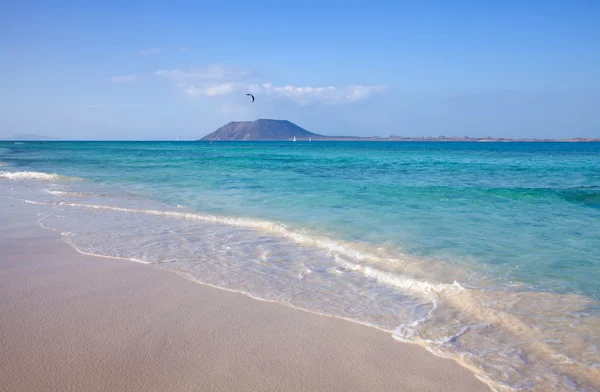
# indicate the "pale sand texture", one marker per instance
pixel 70 322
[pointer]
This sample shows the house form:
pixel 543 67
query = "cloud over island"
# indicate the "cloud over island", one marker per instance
pixel 217 80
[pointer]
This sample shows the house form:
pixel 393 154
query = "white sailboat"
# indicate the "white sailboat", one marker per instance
pixel 310 139
pixel 294 139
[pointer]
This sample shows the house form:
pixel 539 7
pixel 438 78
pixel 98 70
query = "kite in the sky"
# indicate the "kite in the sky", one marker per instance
pixel 252 97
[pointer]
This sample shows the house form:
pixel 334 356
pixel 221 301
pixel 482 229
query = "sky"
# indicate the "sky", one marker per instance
pixel 162 70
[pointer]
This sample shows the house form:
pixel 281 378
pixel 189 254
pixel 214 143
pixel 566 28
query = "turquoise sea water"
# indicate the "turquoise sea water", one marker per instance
pixel 488 253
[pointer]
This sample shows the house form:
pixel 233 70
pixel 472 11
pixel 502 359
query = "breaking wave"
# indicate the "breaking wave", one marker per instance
pixel 28 175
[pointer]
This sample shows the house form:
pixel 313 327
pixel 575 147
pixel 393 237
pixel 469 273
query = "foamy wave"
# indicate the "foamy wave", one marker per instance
pixel 276 228
pixel 63 193
pixel 429 290
pixel 339 249
pixel 494 335
pixel 27 175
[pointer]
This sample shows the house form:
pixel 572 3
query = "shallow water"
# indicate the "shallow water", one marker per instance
pixel 483 252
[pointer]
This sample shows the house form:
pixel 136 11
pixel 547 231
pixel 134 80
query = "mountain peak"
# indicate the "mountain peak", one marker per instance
pixel 261 129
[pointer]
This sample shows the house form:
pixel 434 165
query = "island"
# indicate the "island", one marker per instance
pixel 284 130
pixel 261 129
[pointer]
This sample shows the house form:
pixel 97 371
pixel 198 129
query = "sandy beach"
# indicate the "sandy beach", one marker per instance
pixel 73 322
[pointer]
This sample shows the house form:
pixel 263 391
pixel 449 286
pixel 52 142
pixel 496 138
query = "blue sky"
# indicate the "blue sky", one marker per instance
pixel 117 70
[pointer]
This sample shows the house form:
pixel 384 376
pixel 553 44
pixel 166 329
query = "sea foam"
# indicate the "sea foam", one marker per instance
pixel 29 175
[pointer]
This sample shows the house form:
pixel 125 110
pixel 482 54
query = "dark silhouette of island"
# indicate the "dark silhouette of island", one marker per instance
pixel 278 130
pixel 262 129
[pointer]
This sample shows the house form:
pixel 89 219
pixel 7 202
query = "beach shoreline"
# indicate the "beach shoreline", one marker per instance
pixel 78 322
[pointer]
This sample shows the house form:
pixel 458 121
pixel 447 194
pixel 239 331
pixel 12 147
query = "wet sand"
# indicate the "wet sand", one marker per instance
pixel 73 322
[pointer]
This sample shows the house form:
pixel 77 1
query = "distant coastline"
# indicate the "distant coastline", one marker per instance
pixel 27 137
pixel 284 130
pixel 394 138
pixel 340 139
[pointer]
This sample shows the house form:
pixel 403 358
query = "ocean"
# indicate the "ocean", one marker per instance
pixel 487 253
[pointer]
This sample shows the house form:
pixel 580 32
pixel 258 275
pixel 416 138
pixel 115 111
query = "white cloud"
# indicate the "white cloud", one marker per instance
pixel 220 89
pixel 210 91
pixel 123 79
pixel 145 52
pixel 210 81
pixel 323 94
pixel 216 80
pixel 211 73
